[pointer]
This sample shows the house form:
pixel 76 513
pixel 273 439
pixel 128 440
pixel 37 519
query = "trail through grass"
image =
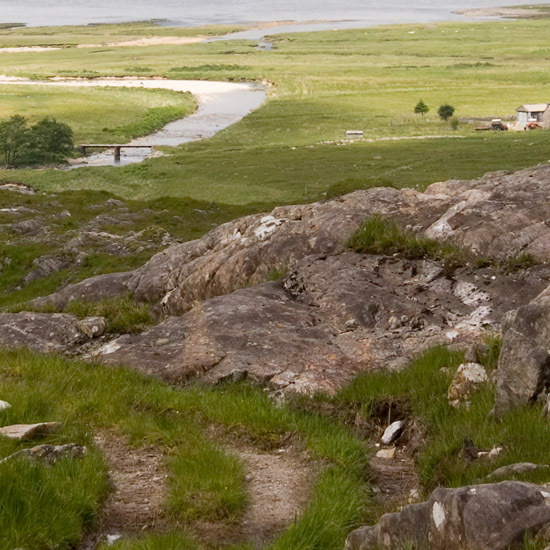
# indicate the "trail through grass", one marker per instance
pixel 206 481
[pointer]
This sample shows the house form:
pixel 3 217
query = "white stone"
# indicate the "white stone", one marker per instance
pixel 467 378
pixel 438 513
pixel 4 405
pixel 495 451
pixel 111 539
pixel 392 432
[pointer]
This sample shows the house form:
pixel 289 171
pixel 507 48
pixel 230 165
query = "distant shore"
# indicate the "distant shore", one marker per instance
pixel 505 12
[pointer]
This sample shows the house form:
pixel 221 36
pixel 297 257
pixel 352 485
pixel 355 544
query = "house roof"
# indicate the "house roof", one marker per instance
pixel 533 107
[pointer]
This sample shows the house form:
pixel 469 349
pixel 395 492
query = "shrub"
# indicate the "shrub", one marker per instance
pixel 445 111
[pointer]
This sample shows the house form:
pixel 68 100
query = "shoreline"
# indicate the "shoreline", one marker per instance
pixel 503 12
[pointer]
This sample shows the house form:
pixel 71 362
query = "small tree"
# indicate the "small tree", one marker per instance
pixel 14 139
pixel 421 108
pixel 51 141
pixel 446 111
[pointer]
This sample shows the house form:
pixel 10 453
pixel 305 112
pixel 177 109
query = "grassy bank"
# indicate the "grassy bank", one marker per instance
pixel 99 115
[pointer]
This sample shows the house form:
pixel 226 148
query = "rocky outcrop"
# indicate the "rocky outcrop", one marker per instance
pixel 488 517
pixel 500 215
pixel 335 312
pixel 328 319
pixel 523 373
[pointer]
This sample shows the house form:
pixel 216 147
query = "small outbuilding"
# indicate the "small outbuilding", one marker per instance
pixel 536 112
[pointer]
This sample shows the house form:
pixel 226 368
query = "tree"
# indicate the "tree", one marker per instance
pixel 46 141
pixel 51 141
pixel 421 108
pixel 446 111
pixel 14 139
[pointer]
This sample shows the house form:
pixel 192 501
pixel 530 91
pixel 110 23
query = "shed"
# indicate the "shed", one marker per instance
pixel 535 111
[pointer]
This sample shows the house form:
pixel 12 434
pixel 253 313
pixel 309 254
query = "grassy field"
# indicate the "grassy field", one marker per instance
pixel 289 150
pixel 325 83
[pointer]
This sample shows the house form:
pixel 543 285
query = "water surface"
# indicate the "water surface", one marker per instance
pixel 202 12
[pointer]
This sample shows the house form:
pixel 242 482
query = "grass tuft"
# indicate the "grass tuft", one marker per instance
pixel 123 314
pixel 379 236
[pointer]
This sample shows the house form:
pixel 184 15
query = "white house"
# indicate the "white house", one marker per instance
pixel 539 112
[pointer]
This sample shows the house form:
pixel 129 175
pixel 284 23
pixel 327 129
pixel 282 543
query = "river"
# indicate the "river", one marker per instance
pixel 220 104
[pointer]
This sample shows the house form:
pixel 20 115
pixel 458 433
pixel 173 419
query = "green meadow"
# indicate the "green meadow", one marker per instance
pixel 324 83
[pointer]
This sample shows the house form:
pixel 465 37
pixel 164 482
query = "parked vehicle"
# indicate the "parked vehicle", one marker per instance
pixel 498 125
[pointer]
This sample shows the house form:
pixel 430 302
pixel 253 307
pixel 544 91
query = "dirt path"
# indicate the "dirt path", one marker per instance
pixel 278 485
pixel 279 489
pixel 394 481
pixel 139 482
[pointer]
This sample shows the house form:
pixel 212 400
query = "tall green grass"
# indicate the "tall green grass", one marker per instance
pixel 48 506
pixel 422 390
pixel 123 314
pixel 206 481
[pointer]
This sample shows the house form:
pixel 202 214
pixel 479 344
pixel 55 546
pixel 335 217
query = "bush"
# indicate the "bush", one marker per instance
pixel 446 111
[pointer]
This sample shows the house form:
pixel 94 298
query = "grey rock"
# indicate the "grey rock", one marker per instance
pixel 42 332
pixel 524 363
pixel 46 265
pixel 28 431
pixel 28 227
pixel 488 517
pixel 92 289
pixel 479 215
pixel 49 453
pixel 92 327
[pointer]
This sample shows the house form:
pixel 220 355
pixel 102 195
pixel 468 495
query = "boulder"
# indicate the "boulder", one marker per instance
pixel 468 377
pixel 523 372
pixel 477 517
pixel 515 469
pixel 93 289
